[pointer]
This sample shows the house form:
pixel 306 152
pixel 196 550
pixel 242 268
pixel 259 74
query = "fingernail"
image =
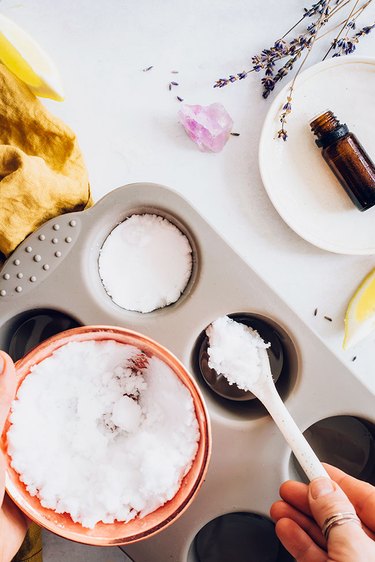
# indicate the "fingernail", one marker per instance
pixel 2 363
pixel 321 487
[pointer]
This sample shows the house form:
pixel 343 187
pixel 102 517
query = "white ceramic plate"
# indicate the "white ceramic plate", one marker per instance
pixel 298 181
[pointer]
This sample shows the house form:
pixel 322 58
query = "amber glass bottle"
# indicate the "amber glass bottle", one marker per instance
pixel 347 159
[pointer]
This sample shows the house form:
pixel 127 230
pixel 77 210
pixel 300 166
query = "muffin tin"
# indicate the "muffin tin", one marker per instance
pixel 51 282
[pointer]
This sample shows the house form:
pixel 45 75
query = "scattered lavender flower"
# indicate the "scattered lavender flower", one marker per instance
pixel 171 84
pixel 351 24
pixel 282 134
pixel 317 8
pixel 347 45
pixel 287 108
pixel 224 81
pixel 276 62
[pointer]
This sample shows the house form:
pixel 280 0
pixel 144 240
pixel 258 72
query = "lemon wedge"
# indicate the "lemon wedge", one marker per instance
pixel 23 56
pixel 360 314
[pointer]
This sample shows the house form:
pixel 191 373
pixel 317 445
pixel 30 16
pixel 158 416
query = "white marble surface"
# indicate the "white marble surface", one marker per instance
pixel 126 121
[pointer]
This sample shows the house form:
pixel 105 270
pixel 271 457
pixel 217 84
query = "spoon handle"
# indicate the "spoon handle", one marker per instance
pixel 306 457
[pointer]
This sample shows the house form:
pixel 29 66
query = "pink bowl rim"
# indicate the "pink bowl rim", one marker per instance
pixel 16 489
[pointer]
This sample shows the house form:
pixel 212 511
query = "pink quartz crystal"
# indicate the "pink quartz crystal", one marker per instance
pixel 208 126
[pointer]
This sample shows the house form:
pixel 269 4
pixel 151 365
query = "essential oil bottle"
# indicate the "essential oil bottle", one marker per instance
pixel 347 159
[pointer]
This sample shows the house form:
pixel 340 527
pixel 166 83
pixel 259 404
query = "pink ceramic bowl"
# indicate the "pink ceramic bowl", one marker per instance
pixel 116 533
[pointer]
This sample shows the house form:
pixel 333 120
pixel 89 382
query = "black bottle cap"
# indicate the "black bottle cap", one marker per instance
pixel 333 136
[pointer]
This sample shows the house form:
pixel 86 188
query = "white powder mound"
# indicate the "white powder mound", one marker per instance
pixel 234 351
pixel 145 263
pixel 97 434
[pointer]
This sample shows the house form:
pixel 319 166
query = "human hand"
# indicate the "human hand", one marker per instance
pixel 13 523
pixel 301 514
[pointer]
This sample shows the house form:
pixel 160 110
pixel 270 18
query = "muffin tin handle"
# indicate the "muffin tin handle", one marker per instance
pixel 266 392
pixel 39 255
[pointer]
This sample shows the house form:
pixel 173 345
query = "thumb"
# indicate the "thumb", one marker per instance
pixel 327 499
pixel 8 383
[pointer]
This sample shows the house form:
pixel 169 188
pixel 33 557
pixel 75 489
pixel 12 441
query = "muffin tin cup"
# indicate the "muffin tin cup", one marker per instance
pixel 347 442
pixel 249 456
pixel 250 537
pixel 283 364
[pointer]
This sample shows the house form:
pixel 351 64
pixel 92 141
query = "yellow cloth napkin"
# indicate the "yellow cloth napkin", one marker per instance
pixel 42 172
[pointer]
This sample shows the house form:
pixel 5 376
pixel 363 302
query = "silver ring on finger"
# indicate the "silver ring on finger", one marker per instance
pixel 339 519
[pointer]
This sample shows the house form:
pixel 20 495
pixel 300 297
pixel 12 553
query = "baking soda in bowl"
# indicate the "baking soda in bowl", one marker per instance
pixel 103 432
pixel 145 263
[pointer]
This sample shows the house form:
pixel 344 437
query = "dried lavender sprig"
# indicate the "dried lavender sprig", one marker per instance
pixel 347 45
pixel 342 29
pixel 339 6
pixel 270 82
pixel 342 22
pixel 317 8
pixel 348 48
pixel 310 12
pixel 300 43
pixel 281 49
pixel 287 108
pixel 365 30
pixel 267 59
pixel 221 82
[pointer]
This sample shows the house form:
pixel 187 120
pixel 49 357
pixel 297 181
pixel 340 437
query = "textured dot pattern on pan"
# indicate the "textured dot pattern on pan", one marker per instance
pixel 243 537
pixel 38 256
pixel 283 362
pixel 346 442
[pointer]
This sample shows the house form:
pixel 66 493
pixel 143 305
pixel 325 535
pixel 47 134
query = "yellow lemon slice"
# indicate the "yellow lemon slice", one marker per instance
pixel 360 315
pixel 23 56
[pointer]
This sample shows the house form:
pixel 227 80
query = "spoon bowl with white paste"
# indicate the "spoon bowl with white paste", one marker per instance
pixel 278 353
pixel 239 353
pixel 89 448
